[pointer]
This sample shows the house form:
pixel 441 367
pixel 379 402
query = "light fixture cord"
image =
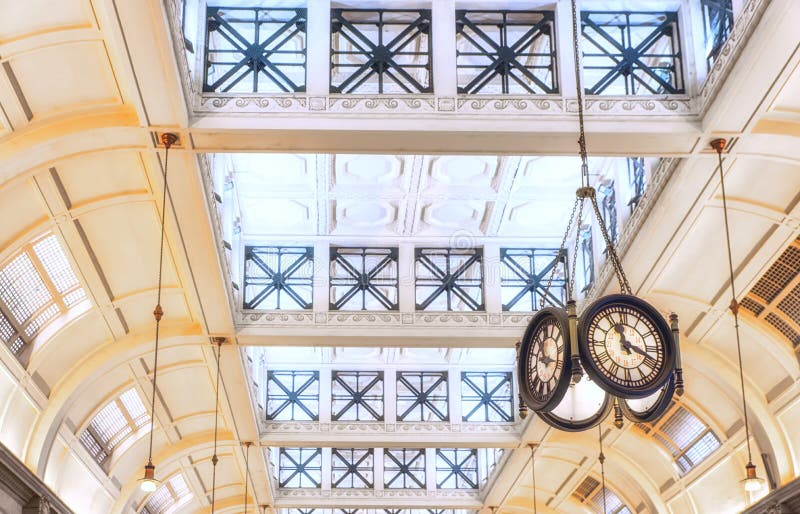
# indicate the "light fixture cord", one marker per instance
pixel 158 312
pixel 734 303
pixel 602 459
pixel 533 476
pixel 246 475
pixel 215 459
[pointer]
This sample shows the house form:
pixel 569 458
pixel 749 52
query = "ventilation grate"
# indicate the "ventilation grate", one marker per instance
pixel 587 487
pixel 783 328
pixel 752 306
pixel 778 275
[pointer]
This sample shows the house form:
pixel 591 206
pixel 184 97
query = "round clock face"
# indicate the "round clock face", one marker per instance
pixel 544 359
pixel 583 407
pixel 649 408
pixel 626 346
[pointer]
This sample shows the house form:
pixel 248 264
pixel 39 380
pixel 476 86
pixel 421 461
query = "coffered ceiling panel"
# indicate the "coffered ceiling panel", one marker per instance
pixel 93 178
pixel 126 267
pixel 79 77
pixel 705 242
pixel 364 196
pixel 19 202
pixel 32 17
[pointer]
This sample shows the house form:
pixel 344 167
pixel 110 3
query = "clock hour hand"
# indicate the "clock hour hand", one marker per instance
pixel 626 345
pixel 638 350
pixel 546 360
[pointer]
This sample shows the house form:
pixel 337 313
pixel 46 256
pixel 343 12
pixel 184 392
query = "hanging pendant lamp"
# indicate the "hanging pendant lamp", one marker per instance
pixel 751 483
pixel 148 483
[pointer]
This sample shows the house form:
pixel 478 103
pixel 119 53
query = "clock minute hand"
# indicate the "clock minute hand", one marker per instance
pixel 546 360
pixel 626 345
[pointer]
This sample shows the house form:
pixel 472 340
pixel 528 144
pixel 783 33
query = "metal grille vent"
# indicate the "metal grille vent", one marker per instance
pixel 583 491
pixel 778 275
pixel 784 328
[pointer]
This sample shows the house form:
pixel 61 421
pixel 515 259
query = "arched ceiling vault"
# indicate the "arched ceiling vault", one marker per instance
pixel 95 81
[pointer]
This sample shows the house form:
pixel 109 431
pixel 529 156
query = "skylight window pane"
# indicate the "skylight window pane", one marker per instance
pixel 74 297
pixel 700 450
pixel 22 288
pixel 17 346
pixel 55 264
pixel 178 485
pixel 92 446
pixel 159 500
pixel 683 427
pixel 133 404
pixel 47 315
pixel 7 331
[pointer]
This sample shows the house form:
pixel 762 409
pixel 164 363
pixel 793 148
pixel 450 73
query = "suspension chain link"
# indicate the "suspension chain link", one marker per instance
pixel 624 286
pixel 561 252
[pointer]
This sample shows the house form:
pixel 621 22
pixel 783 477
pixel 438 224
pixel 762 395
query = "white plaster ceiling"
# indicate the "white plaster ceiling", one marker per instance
pixel 409 197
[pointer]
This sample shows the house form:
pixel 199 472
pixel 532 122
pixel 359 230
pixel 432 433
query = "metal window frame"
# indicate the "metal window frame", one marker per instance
pixel 420 398
pixel 506 59
pixel 300 467
pixel 487 399
pixel 637 176
pixel 281 279
pixel 628 60
pixel 256 57
pixel 403 471
pixel 448 281
pixel 353 469
pixel 455 467
pixel 364 281
pixel 292 394
pixel 586 245
pixel 359 398
pixel 379 56
pixel 608 208
pixel 532 282
pixel 720 37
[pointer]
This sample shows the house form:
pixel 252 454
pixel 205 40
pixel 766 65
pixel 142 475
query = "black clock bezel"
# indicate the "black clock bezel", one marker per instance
pixel 656 410
pixel 541 316
pixel 582 425
pixel 592 368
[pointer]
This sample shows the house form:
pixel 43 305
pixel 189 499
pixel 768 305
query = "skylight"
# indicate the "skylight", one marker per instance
pixel 36 286
pixel 684 435
pixel 113 424
pixel 169 497
pixel 591 494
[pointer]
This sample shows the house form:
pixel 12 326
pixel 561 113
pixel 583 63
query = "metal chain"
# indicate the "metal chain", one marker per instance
pixel 612 254
pixel 579 88
pixel 576 246
pixel 561 251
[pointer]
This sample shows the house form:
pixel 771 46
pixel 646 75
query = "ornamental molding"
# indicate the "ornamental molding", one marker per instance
pixel 462 105
pixel 255 318
pixel 416 496
pixel 271 429
pixel 743 27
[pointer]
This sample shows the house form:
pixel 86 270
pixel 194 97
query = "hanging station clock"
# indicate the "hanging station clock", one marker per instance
pixel 649 408
pixel 544 359
pixel 626 346
pixel 584 406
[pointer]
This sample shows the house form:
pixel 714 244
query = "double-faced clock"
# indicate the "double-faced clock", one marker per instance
pixel 544 359
pixel 584 406
pixel 626 346
pixel 649 408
